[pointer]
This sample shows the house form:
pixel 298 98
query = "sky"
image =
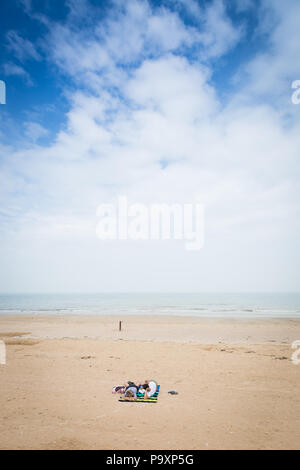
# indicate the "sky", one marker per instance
pixel 168 101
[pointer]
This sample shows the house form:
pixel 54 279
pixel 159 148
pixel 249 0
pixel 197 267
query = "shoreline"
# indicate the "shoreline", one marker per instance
pixel 155 328
pixel 156 315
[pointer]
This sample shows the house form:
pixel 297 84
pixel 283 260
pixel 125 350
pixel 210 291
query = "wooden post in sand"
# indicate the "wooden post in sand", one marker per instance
pixel 120 325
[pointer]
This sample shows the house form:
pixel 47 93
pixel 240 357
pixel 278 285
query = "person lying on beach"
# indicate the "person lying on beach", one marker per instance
pixel 149 388
pixel 130 389
pixel 132 384
pixel 121 389
pixel 130 393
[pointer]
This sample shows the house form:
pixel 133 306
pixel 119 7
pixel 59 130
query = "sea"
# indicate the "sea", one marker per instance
pixel 222 305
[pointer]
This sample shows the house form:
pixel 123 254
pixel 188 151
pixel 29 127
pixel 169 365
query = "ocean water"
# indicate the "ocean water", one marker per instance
pixel 199 305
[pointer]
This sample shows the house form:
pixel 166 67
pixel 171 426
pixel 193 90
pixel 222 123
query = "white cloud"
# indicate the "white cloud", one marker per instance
pixel 174 88
pixel 21 48
pixel 219 35
pixel 270 73
pixel 166 31
pixel 239 160
pixel 13 69
pixel 133 31
pixel 34 131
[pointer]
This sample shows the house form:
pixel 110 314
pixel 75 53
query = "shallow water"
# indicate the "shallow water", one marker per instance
pixel 198 304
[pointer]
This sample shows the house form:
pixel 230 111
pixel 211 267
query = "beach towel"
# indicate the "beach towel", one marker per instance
pixel 140 398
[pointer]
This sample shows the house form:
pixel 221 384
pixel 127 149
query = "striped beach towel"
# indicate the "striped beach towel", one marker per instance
pixel 140 398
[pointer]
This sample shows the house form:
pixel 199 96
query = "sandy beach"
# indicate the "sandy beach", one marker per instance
pixel 237 386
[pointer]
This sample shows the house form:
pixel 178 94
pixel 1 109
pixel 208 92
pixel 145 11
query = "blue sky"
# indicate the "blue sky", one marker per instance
pixel 36 86
pixel 188 97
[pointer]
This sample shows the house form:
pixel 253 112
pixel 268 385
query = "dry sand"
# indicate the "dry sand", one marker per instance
pixel 238 388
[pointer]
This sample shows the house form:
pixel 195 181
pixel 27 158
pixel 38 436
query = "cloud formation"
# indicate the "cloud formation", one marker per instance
pixel 14 69
pixel 22 48
pixel 146 121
